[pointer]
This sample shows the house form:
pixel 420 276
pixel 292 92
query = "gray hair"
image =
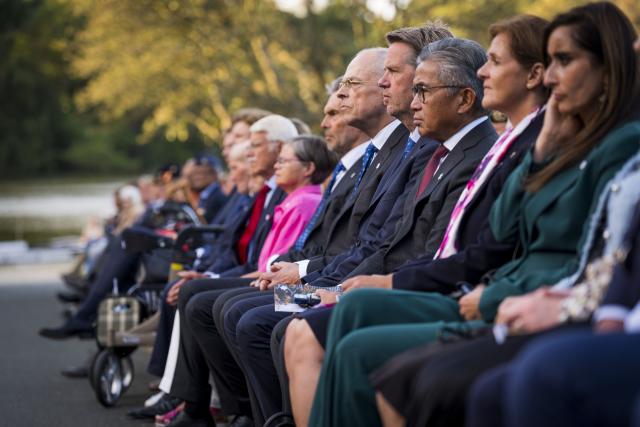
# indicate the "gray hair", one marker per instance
pixel 376 65
pixel 334 86
pixel 313 149
pixel 277 128
pixel 458 61
pixel 238 150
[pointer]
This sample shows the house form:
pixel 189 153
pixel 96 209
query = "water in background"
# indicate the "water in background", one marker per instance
pixel 40 210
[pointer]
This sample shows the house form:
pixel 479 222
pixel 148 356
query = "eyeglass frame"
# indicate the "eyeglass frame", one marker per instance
pixel 420 90
pixel 281 162
pixel 349 83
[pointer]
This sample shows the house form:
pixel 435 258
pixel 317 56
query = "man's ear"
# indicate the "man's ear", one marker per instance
pixel 467 99
pixel 535 76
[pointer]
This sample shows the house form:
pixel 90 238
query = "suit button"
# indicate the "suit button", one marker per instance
pixel 615 188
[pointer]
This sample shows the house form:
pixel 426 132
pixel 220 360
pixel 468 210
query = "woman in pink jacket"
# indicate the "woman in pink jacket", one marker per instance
pixel 304 163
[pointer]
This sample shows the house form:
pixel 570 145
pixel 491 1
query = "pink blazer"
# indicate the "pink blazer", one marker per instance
pixel 289 220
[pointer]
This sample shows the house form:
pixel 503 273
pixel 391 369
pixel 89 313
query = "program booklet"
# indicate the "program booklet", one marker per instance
pixel 298 298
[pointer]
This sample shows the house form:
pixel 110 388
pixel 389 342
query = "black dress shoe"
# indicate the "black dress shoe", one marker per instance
pixel 70 329
pixel 185 420
pixel 75 371
pixel 69 297
pixel 162 406
pixel 241 421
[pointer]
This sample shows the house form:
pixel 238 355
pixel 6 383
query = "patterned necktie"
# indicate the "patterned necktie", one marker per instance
pixel 408 148
pixel 312 222
pixel 366 161
pixel 431 168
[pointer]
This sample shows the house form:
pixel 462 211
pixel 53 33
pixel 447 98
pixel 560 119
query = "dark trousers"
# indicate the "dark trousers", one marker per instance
pixel 163 334
pixel 572 378
pixel 277 354
pixel 248 324
pixel 208 353
pixel 118 265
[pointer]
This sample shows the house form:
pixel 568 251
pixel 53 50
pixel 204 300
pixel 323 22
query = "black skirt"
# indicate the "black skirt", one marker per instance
pixel 318 320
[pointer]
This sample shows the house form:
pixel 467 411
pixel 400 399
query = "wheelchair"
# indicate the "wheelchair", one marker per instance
pixel 111 371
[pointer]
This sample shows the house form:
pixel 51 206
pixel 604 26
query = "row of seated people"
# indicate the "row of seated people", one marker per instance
pixel 149 206
pixel 443 247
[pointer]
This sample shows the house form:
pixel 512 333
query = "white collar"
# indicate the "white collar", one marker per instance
pixel 451 143
pixel 415 135
pixel 381 137
pixel 271 183
pixel 353 155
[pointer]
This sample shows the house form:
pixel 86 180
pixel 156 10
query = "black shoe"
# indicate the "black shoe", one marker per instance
pixel 241 421
pixel 75 371
pixel 162 406
pixel 70 329
pixel 184 420
pixel 76 282
pixel 69 297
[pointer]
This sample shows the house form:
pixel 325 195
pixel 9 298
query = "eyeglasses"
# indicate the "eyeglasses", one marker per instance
pixel 282 161
pixel 349 83
pixel 422 90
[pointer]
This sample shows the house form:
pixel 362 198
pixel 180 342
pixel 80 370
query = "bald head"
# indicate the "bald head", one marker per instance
pixel 359 94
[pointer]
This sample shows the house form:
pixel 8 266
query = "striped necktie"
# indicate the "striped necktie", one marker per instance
pixel 366 161
pixel 316 216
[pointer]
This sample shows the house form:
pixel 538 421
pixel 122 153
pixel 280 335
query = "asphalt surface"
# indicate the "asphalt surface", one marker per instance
pixel 32 391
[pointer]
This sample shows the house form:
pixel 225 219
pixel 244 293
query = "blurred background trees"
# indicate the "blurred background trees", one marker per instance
pixel 120 86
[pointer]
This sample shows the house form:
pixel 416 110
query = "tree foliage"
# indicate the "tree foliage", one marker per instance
pixel 120 85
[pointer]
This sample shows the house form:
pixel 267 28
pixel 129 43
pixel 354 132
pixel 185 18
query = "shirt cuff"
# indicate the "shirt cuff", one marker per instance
pixel 271 260
pixel 211 275
pixel 302 267
pixel 611 312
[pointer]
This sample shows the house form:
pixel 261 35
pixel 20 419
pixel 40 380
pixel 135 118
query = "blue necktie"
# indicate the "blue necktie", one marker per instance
pixel 408 148
pixel 366 161
pixel 316 216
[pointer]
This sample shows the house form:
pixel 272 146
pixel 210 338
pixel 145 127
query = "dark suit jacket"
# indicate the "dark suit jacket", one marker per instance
pixel 212 200
pixel 424 220
pixel 479 252
pixel 233 217
pixel 260 235
pixel 381 222
pixel 344 229
pixel 318 235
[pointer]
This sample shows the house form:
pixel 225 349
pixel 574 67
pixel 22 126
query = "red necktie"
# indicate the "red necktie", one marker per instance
pixel 250 229
pixel 430 169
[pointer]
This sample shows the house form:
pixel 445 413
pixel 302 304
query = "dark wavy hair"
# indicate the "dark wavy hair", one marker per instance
pixel 603 30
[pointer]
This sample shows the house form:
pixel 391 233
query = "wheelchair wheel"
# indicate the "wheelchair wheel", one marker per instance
pixel 108 378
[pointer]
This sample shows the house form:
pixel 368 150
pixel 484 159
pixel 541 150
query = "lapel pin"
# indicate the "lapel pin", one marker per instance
pixel 353 174
pixel 267 217
pixel 583 164
pixel 439 177
pixel 513 155
pixel 378 166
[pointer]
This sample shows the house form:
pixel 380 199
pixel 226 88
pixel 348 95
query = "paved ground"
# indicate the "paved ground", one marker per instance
pixel 32 391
